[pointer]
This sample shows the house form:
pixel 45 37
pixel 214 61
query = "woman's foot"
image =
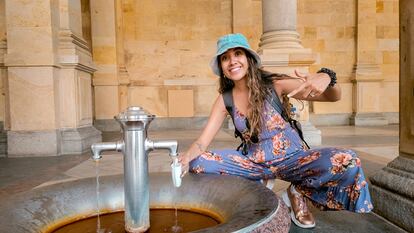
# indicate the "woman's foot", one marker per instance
pixel 299 213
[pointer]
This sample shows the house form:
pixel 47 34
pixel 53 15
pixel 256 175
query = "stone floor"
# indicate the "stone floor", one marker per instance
pixel 376 147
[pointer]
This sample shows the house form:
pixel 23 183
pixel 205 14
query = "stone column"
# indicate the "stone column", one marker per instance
pixel 49 69
pixel 393 186
pixel 279 25
pixel 281 51
pixel 367 80
pixel 107 54
pixel 75 82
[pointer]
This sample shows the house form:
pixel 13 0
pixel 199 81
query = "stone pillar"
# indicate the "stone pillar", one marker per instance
pixel 281 51
pixel 393 186
pixel 75 82
pixel 49 69
pixel 105 19
pixel 279 25
pixel 367 80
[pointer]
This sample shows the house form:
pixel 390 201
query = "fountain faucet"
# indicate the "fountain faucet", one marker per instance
pixel 170 145
pixel 135 147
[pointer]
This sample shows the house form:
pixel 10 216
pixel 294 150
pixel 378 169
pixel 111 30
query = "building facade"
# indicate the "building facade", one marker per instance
pixel 68 66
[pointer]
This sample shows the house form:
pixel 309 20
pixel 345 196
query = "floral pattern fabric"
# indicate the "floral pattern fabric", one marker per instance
pixel 332 178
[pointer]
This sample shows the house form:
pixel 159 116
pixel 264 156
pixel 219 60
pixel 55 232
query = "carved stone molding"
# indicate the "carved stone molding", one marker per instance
pixel 75 52
pixel 68 40
pixel 280 39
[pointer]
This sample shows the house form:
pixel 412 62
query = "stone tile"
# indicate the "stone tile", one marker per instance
pixel 389 130
pixel 342 221
pixel 387 152
pixel 380 7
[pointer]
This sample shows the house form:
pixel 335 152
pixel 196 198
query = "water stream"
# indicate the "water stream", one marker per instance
pixel 176 228
pixel 98 219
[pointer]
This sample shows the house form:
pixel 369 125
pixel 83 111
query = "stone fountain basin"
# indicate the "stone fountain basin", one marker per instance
pixel 242 205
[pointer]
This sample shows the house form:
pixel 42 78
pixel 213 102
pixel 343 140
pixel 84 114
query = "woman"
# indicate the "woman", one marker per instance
pixel 331 178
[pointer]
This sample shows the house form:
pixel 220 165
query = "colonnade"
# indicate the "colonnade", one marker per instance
pixel 46 64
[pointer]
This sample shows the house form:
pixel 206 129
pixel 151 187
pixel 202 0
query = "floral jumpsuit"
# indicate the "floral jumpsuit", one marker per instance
pixel 332 178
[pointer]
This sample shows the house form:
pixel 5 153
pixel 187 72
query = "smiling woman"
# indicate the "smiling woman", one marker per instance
pixel 272 148
pixel 234 64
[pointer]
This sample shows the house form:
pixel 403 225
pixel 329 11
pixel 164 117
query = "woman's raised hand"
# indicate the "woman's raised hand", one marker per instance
pixel 185 161
pixel 313 85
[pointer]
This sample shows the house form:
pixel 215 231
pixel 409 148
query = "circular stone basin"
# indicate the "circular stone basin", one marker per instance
pixel 241 205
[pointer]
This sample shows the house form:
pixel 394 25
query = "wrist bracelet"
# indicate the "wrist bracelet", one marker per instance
pixel 331 74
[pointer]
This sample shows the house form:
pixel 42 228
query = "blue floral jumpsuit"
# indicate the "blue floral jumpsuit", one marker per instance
pixel 332 178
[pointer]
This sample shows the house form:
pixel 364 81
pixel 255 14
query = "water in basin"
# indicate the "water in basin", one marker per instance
pixel 161 220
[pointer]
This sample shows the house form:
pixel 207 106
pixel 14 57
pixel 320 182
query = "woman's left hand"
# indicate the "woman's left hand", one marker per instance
pixel 185 162
pixel 313 85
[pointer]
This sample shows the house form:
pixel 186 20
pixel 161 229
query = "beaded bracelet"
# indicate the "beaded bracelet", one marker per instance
pixel 331 74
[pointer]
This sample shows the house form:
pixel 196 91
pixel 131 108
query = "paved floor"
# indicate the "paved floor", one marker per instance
pixel 376 147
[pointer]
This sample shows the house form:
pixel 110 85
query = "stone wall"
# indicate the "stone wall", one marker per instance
pixel 388 52
pixel 329 28
pixel 147 49
pixel 175 55
pixel 166 48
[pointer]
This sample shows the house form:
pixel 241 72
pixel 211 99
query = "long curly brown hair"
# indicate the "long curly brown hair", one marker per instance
pixel 259 83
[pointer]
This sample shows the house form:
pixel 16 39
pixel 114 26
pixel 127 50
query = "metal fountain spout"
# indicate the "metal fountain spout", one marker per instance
pixel 98 148
pixel 135 147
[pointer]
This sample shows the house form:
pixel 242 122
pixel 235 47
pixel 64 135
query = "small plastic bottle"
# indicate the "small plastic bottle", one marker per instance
pixel 176 172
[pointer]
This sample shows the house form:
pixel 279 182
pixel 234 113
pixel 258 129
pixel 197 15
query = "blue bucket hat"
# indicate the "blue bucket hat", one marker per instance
pixel 230 41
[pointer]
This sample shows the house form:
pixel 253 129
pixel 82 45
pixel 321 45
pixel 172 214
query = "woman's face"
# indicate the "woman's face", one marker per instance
pixel 234 64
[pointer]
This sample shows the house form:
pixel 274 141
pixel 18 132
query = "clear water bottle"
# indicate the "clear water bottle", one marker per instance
pixel 176 170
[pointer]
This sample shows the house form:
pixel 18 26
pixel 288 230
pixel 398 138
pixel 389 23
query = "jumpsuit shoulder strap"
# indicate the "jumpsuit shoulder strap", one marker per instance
pixel 228 102
pixel 277 104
